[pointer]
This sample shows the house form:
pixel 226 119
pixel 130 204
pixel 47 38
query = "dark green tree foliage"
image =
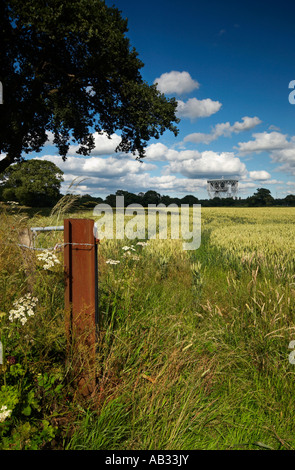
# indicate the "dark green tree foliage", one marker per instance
pixel 68 68
pixel 151 197
pixel 129 198
pixel 290 200
pixel 262 197
pixel 34 183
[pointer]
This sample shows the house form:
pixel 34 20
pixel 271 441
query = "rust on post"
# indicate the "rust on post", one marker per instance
pixel 80 267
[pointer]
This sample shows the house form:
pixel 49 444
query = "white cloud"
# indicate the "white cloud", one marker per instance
pixel 280 149
pixel 160 152
pixel 224 129
pixel 284 156
pixel 50 137
pixel 200 138
pixel 103 144
pixel 259 175
pixel 176 83
pixel 156 152
pixel 272 127
pixel 179 83
pixel 210 164
pixel 194 108
pixel 247 124
pixel 108 168
pixel 264 141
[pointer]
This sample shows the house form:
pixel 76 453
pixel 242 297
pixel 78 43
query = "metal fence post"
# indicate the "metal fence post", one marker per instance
pixel 81 304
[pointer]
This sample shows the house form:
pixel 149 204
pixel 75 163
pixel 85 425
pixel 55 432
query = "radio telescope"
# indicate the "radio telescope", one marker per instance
pixel 222 188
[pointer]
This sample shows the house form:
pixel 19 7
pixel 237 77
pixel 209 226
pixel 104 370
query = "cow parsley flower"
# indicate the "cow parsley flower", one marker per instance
pixel 142 243
pixel 49 258
pixel 4 413
pixel 126 248
pixel 23 308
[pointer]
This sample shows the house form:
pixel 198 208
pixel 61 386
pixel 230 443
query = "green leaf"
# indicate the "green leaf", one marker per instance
pixel 27 410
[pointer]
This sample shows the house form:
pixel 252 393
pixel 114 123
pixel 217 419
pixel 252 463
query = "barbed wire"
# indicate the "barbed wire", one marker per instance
pixel 53 248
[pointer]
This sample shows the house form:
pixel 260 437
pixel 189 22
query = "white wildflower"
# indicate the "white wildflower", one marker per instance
pixel 126 248
pixel 49 258
pixel 4 413
pixel 142 243
pixel 112 261
pixel 23 308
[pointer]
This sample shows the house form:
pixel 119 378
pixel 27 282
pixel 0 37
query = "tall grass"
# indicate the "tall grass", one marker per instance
pixel 193 345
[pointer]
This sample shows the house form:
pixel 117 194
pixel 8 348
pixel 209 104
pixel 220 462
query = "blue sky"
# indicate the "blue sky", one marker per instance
pixel 229 65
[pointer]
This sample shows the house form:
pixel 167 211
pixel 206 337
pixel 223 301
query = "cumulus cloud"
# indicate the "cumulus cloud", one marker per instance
pixel 247 124
pixel 280 149
pixel 109 168
pixel 259 175
pixel 287 159
pixel 160 152
pixel 224 129
pixel 179 83
pixel 264 141
pixel 176 83
pixel 194 108
pixel 210 164
pixel 104 145
pixel 286 155
pixel 156 152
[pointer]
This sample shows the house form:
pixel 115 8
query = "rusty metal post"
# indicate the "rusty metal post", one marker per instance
pixel 81 304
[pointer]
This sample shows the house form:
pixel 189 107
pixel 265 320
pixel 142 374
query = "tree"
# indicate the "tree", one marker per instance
pixel 189 199
pixel 129 198
pixel 68 68
pixel 111 200
pixel 290 200
pixel 151 197
pixel 262 197
pixel 34 183
pixel 88 202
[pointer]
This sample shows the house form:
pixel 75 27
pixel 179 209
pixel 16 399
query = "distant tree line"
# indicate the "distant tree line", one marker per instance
pixel 261 198
pixel 37 183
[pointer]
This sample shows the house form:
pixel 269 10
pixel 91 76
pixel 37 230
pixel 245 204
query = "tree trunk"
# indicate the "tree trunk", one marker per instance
pixel 7 161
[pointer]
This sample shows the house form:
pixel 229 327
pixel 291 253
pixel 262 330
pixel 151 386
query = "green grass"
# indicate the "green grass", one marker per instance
pixel 192 354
